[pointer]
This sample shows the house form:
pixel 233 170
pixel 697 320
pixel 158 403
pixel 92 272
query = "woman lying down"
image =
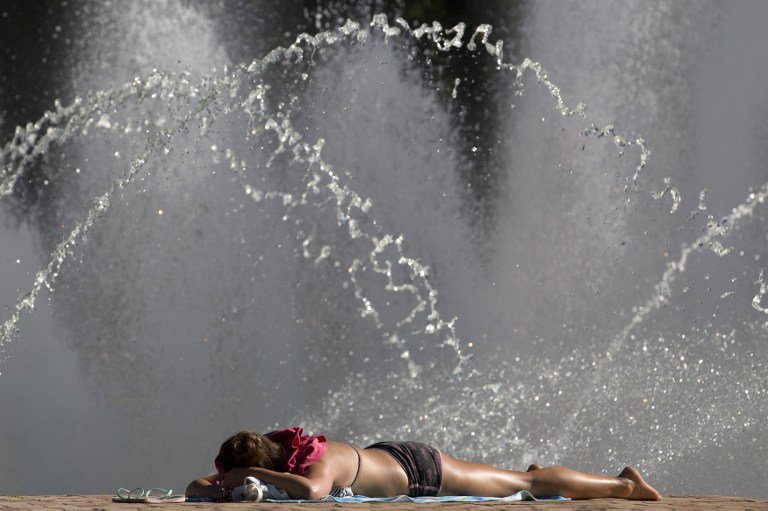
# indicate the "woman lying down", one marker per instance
pixel 310 467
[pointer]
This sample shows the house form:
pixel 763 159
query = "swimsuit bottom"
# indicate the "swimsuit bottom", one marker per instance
pixel 422 465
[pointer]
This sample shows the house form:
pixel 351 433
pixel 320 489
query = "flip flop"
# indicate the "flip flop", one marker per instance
pixel 139 495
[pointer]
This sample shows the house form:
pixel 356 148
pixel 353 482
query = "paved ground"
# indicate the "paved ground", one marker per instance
pixel 103 502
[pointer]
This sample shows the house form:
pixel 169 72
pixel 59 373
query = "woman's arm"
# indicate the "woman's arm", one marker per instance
pixel 204 488
pixel 314 487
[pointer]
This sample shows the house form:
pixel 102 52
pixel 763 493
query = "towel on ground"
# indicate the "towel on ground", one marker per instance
pixel 521 495
pixel 254 490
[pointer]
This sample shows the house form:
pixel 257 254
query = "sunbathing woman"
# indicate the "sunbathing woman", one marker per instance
pixel 310 467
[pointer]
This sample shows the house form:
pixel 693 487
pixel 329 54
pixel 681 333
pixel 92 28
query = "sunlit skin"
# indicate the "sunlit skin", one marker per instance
pixel 381 476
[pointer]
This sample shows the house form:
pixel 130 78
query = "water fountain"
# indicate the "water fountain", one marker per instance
pixel 292 239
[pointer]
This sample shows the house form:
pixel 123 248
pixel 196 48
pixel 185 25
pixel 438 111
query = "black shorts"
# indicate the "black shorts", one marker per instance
pixel 422 465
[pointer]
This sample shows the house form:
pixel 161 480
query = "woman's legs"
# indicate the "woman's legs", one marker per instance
pixel 468 478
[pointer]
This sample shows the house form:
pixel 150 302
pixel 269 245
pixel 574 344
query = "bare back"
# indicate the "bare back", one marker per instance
pixel 378 474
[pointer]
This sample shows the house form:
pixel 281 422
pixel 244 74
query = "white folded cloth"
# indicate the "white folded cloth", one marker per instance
pixel 344 491
pixel 254 490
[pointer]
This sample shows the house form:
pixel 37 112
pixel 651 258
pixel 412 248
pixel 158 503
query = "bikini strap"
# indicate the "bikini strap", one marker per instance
pixel 358 467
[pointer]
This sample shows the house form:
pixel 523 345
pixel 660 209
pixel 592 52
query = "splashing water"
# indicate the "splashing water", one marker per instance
pixel 395 287
pixel 762 290
pixel 672 191
pixel 33 141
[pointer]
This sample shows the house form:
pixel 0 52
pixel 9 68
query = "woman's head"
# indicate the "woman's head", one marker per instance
pixel 248 449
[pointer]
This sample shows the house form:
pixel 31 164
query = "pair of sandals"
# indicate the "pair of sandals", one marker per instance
pixel 140 495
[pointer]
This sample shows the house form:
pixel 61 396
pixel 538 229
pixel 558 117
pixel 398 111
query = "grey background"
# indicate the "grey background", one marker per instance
pixel 165 333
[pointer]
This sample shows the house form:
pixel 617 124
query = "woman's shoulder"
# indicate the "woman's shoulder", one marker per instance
pixel 301 450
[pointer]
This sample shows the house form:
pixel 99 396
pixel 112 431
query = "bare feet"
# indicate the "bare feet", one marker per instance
pixel 640 489
pixel 533 466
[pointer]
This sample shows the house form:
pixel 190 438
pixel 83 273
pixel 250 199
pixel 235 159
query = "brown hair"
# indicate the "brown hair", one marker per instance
pixel 248 449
